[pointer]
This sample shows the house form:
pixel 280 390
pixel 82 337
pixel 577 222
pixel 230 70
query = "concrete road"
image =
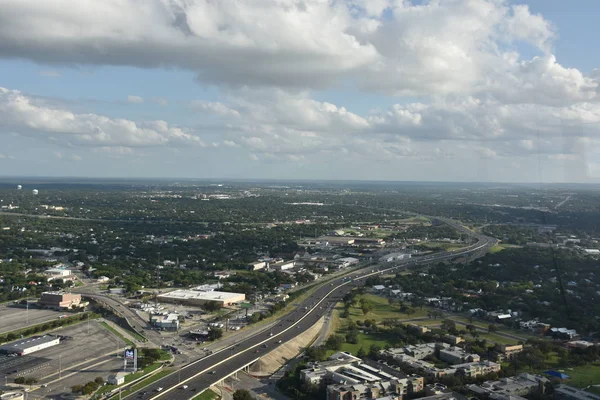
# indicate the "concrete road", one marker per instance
pixel 205 372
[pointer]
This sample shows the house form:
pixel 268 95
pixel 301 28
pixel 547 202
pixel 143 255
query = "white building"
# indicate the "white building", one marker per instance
pixel 57 273
pixel 168 322
pixel 30 345
pixel 197 298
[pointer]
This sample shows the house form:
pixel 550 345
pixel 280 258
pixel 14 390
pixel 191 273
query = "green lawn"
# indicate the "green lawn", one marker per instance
pixel 364 341
pixel 501 246
pixel 382 310
pixel 116 332
pixel 584 375
pixel 207 395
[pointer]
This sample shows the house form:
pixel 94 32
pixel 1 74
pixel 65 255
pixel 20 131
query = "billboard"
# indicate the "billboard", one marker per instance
pixel 129 354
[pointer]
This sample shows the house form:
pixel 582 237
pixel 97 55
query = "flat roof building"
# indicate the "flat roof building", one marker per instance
pixel 196 298
pixel 60 300
pixel 169 321
pixel 30 345
pixel 564 392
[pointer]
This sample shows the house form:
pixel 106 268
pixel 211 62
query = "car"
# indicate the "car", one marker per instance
pixel 159 389
pixel 213 372
pixel 281 341
pixel 184 387
pixel 265 345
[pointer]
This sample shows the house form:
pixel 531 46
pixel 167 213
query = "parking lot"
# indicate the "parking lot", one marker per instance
pixel 86 342
pixel 18 317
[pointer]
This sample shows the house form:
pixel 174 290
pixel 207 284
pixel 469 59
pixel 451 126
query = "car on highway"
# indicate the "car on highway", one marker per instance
pixel 159 389
pixel 213 372
pixel 184 387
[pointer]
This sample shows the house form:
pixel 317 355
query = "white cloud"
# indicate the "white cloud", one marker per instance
pixel 76 158
pixel 214 107
pixel 416 48
pixel 135 99
pixel 22 114
pixel 50 73
pixel 160 101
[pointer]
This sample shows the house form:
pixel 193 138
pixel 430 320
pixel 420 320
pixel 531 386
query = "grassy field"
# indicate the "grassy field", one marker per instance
pixel 501 246
pixel 584 375
pixel 116 332
pixel 207 395
pixel 365 341
pixel 382 310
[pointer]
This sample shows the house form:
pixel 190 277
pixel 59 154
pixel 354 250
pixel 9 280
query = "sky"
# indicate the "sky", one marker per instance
pixel 421 90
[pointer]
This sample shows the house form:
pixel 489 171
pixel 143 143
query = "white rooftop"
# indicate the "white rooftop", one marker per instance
pixel 192 294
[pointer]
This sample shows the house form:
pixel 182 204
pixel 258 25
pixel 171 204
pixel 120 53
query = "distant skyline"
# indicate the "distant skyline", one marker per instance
pixel 396 90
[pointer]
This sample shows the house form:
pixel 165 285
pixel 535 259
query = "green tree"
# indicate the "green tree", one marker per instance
pixel 215 333
pixel 361 353
pixel 242 394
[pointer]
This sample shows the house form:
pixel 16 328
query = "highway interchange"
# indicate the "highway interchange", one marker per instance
pixel 199 375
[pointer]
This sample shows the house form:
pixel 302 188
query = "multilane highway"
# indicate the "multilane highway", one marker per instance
pixel 203 373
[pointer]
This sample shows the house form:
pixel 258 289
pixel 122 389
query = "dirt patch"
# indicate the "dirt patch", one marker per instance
pixel 273 360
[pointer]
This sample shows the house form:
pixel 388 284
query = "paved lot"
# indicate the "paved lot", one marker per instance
pixel 15 318
pixel 87 341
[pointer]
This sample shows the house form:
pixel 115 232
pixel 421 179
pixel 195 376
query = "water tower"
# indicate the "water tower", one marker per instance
pixel 35 192
pixel 19 187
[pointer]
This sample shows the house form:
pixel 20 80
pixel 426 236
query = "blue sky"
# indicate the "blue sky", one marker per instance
pixel 448 90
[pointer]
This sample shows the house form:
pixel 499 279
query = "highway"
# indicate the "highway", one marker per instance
pixel 201 374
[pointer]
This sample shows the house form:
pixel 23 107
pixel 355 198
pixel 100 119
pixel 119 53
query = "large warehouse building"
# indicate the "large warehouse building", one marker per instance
pixel 196 298
pixel 31 345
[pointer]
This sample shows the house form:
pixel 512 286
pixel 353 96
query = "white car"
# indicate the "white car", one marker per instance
pixel 159 389
pixel 184 387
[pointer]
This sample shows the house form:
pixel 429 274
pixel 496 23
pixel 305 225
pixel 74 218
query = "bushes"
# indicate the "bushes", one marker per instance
pixel 89 387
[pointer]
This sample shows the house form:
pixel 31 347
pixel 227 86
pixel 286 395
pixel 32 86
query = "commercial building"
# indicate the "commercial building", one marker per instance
pixel 347 376
pixel 31 345
pixel 282 265
pixel 469 369
pixel 520 385
pixel 166 322
pixel 60 300
pixel 456 355
pixel 58 273
pixel 197 298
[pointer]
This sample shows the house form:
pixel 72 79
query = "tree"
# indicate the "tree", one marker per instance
pixel 76 389
pixel 242 394
pixel 448 325
pixel 335 342
pixel 361 353
pixel 492 328
pixel 215 333
pixel 99 380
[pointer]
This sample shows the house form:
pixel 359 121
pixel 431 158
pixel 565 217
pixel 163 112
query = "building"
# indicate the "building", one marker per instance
pixel 282 265
pixel 469 369
pixel 418 328
pixel 445 396
pixel 197 298
pixel 346 375
pixel 453 340
pixel 508 351
pixel 257 265
pixel 520 385
pixel 166 322
pixel 30 345
pixel 57 273
pixel 117 379
pixel 60 300
pixel 12 396
pixel 456 355
pixel 564 392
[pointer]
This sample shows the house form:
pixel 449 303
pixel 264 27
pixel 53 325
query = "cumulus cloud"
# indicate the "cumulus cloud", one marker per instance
pixel 394 47
pixel 135 99
pixel 24 115
pixel 214 107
